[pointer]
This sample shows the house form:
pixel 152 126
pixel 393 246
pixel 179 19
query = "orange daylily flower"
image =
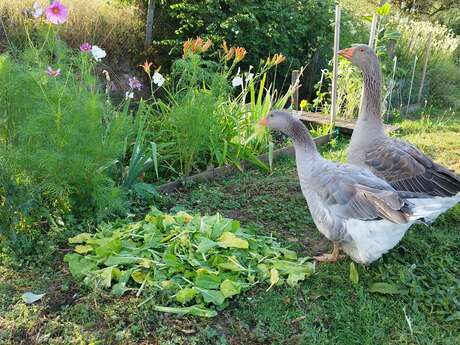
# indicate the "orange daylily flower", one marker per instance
pixel 206 45
pixel 187 48
pixel 276 59
pixel 240 53
pixel 228 52
pixel 146 66
pixel 196 46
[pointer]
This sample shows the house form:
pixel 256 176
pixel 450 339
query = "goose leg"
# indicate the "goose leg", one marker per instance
pixel 333 257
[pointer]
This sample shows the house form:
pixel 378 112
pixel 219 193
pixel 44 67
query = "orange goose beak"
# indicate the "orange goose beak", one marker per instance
pixel 263 122
pixel 347 53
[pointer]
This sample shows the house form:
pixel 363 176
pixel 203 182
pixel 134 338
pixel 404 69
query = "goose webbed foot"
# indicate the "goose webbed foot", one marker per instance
pixel 333 257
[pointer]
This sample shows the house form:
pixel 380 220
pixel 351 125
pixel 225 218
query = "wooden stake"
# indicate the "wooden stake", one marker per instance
pixel 335 67
pixel 411 83
pixel 295 94
pixel 425 65
pixel 149 25
pixel 375 20
pixel 392 85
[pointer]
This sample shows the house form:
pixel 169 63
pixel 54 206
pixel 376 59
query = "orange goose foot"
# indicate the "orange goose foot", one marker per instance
pixel 333 257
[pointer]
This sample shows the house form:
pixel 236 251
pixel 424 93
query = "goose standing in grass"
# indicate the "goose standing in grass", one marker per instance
pixel 361 213
pixel 401 164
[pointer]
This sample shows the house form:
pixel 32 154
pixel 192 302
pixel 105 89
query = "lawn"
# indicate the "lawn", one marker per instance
pixel 423 272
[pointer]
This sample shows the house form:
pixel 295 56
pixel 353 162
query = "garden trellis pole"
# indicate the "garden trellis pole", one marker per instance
pixel 295 92
pixel 335 67
pixel 425 65
pixel 375 19
pixel 411 83
pixel 149 25
pixel 392 85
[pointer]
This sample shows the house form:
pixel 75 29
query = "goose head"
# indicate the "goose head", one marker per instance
pixel 290 126
pixel 281 121
pixel 362 56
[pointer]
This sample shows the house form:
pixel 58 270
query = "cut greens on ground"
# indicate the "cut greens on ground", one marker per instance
pixel 198 262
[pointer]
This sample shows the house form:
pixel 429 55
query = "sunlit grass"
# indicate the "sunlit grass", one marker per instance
pixel 115 27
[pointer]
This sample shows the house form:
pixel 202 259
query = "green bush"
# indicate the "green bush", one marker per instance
pixel 301 30
pixel 203 122
pixel 58 137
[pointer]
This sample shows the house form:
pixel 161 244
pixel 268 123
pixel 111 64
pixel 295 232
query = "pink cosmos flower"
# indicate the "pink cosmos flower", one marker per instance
pixel 86 47
pixel 53 72
pixel 134 83
pixel 56 13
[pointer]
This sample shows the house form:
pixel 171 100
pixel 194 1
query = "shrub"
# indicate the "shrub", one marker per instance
pixel 58 137
pixel 203 121
pixel 300 30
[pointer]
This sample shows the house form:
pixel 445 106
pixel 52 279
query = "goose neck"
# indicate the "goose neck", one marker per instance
pixel 372 90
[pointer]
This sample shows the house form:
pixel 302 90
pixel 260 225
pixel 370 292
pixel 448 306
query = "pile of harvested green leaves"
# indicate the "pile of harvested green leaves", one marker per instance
pixel 199 262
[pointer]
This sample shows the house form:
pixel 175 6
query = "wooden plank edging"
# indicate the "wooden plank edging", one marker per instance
pixel 229 169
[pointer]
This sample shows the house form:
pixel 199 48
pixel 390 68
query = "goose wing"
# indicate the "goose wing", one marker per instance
pixel 353 193
pixel 408 169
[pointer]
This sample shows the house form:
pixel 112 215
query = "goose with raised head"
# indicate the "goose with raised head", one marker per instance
pixel 401 164
pixel 361 213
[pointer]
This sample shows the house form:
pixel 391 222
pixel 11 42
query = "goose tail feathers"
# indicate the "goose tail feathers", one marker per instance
pixel 429 209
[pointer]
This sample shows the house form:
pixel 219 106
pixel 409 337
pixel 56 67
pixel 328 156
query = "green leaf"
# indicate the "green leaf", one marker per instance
pixel 206 244
pixel 83 249
pixel 386 288
pixel 193 310
pixel 274 277
pixel 168 220
pixel 229 240
pixel 30 297
pixel 155 158
pixel 289 267
pixel 289 254
pixel 230 266
pixel 354 275
pixel 81 238
pixel 186 295
pixel 79 266
pixel 139 277
pixel 229 288
pixel 384 10
pixel 173 262
pixel 212 296
pixel 105 276
pixel 270 154
pixel 121 260
pixel 110 247
pixel 294 278
pixel 119 289
pixel 264 269
pixel 207 281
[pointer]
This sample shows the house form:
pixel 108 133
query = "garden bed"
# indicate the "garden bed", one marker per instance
pixel 229 169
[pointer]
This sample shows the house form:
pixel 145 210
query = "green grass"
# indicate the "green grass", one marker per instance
pixel 325 309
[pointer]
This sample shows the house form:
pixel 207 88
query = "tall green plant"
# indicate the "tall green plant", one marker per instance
pixel 58 134
pixel 143 156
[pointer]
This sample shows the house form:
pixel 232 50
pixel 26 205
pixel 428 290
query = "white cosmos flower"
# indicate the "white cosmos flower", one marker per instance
pixel 98 53
pixel 129 94
pixel 237 81
pixel 38 10
pixel 158 79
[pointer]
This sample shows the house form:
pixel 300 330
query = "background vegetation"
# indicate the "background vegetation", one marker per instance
pixel 89 144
